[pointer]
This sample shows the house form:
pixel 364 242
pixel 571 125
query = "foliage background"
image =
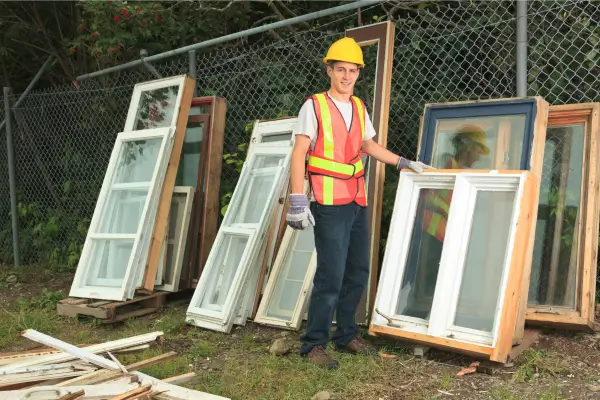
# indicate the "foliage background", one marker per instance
pixel 64 132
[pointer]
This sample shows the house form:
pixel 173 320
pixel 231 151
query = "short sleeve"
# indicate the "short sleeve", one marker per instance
pixel 369 129
pixel 307 121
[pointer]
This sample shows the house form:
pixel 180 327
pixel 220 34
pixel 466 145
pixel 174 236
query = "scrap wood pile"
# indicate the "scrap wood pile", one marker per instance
pixel 61 371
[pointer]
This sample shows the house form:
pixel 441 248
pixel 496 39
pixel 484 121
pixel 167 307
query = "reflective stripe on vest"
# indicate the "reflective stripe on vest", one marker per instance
pixel 324 162
pixel 335 169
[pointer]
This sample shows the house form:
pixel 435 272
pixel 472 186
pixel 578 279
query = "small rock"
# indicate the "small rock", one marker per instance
pixel 11 279
pixel 594 388
pixel 326 395
pixel 279 347
pixel 285 333
pixel 205 367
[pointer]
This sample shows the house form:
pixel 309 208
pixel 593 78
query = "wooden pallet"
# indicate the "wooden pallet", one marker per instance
pixel 114 311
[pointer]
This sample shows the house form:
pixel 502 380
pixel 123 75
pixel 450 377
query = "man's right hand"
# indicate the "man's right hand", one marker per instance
pixel 299 215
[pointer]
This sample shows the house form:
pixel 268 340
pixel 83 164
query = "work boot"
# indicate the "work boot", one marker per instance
pixel 319 356
pixel 357 346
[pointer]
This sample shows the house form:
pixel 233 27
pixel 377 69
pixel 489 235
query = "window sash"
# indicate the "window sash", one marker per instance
pixel 79 286
pixel 465 187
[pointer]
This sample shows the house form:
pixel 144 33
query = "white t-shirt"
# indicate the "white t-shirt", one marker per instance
pixel 307 120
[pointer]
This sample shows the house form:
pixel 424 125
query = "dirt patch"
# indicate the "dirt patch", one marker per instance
pixel 31 281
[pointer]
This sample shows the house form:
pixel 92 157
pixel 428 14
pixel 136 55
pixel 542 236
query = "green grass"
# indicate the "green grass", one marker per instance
pixel 536 362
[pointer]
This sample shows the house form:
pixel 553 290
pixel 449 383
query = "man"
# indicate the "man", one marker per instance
pixel 332 128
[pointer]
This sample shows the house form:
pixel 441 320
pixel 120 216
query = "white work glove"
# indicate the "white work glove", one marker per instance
pixel 299 215
pixel 416 166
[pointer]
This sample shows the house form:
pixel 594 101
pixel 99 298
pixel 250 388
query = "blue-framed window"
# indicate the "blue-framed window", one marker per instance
pixel 471 134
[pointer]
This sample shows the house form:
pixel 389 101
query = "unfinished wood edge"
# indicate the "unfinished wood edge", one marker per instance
pixel 574 323
pixel 265 262
pixel 480 101
pixel 211 206
pixel 451 345
pixel 511 317
pixel 164 205
pixel 420 137
pixel 180 379
pixel 591 224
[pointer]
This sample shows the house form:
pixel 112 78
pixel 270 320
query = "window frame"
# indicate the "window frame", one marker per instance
pixel 382 35
pixel 223 321
pixel 582 315
pixel 81 289
pixel 180 245
pixel 466 185
pixel 285 251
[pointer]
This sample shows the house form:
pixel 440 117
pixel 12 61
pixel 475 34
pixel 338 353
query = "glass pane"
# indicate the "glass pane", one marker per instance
pixel 293 272
pixel 227 262
pixel 258 191
pixel 175 222
pixel 268 161
pixel 277 137
pixel 156 108
pixel 480 143
pixel 425 252
pixel 123 211
pixel 485 259
pixel 109 260
pixel 554 270
pixel 137 161
pixel 199 110
pixel 187 173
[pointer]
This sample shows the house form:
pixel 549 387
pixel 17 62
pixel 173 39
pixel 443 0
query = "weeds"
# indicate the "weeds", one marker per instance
pixel 536 362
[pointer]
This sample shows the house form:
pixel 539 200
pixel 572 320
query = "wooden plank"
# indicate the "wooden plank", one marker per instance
pixel 160 224
pixel 131 314
pixel 180 379
pixel 263 267
pixel 103 375
pixel 529 337
pixel 73 396
pixel 74 311
pixel 132 394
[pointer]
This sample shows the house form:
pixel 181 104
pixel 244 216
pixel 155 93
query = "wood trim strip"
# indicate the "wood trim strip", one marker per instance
pixel 164 206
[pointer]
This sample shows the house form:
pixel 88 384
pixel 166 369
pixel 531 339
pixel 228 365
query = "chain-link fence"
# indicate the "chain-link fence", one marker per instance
pixel 454 51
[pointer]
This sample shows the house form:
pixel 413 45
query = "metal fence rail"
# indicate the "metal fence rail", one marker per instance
pixel 460 51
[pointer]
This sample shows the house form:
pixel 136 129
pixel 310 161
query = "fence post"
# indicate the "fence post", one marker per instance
pixel 11 177
pixel 149 67
pixel 192 69
pixel 521 43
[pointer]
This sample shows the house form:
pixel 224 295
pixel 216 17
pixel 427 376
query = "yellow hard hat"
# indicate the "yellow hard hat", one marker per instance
pixel 345 49
pixel 472 134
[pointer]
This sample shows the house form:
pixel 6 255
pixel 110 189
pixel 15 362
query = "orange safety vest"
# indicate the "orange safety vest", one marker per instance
pixel 437 204
pixel 335 169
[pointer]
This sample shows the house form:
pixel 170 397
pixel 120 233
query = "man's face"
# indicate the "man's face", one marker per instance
pixel 343 76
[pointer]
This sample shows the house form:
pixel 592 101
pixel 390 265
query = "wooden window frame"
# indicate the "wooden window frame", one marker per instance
pixel 582 316
pixel 79 286
pixel 182 108
pixel 534 159
pixel 180 245
pixel 206 208
pixel 382 35
pixel 223 320
pixel 508 318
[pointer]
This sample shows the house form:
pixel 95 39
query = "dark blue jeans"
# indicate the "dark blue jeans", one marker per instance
pixel 342 245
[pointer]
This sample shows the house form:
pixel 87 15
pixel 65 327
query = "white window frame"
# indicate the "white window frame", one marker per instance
pixel 261 130
pixel 285 251
pixel 465 186
pixel 178 245
pixel 79 287
pixel 149 86
pixel 223 320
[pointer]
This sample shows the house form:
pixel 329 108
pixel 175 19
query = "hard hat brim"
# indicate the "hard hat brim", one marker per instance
pixel 328 60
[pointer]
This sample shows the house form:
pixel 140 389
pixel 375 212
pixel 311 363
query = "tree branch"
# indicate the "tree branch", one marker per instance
pixel 217 8
pixel 293 14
